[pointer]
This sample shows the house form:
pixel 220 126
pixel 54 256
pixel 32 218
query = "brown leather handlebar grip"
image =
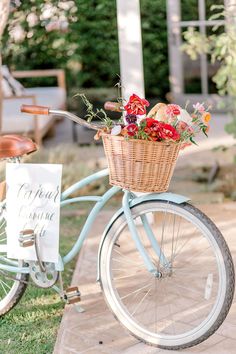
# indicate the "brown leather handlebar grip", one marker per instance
pixel 113 106
pixel 32 109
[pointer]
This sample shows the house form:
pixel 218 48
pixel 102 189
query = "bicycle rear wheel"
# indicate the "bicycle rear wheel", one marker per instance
pixel 191 296
pixel 12 286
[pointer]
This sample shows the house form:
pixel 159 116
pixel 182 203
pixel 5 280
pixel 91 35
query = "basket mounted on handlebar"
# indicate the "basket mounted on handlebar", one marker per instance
pixel 140 165
pixel 142 150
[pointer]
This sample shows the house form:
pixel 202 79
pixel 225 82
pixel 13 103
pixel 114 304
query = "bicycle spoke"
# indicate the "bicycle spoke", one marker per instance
pixel 125 276
pixel 188 289
pixel 141 301
pixel 128 260
pixel 3 287
pixel 135 291
pixel 183 245
pixel 5 284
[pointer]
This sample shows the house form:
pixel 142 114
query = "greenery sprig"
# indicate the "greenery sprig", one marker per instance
pixel 98 114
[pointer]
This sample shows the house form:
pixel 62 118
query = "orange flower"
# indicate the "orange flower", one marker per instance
pixel 206 117
pixel 124 132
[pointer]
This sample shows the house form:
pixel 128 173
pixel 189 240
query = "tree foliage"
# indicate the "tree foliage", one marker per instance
pixel 221 47
pixel 81 36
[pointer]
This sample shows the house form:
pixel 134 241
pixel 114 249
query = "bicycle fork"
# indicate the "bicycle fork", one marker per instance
pixel 138 243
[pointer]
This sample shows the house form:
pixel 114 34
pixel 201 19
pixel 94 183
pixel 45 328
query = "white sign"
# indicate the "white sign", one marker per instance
pixel 33 202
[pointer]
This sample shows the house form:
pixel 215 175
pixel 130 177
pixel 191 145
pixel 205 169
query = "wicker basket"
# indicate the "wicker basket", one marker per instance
pixel 139 165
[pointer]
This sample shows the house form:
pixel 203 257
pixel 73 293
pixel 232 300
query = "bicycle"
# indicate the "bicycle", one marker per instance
pixel 165 269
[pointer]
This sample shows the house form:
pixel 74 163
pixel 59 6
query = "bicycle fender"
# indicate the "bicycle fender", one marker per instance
pixel 171 197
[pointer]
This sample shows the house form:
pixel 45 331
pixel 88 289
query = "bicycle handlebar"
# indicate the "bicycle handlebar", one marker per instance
pixel 33 109
pixel 42 110
pixel 113 106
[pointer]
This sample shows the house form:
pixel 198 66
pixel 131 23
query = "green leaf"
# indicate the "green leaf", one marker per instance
pixel 204 131
pixel 217 7
pixel 216 16
pixel 192 141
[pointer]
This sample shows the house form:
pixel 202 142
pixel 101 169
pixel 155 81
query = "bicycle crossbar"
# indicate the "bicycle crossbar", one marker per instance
pixel 81 199
pixel 84 182
pixel 13 269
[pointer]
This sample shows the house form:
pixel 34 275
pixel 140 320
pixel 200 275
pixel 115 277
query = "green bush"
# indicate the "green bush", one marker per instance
pixel 88 47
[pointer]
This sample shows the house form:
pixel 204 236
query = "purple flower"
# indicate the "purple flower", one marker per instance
pixel 130 118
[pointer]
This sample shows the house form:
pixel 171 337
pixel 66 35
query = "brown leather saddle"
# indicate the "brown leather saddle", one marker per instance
pixel 15 146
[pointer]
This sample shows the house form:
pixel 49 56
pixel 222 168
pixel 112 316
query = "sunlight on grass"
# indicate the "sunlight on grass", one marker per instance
pixel 77 164
pixel 31 327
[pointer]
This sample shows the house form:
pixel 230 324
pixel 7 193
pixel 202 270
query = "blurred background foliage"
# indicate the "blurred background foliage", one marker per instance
pixel 81 37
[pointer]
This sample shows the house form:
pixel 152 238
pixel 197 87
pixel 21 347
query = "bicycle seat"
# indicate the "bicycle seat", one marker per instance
pixel 15 145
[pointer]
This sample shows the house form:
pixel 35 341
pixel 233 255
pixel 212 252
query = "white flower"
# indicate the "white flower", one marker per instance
pixel 66 5
pixel 116 130
pixel 18 33
pixel 184 116
pixel 32 19
pixel 140 117
pixel 48 11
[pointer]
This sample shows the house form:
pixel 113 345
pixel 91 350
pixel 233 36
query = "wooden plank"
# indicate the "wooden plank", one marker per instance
pixel 58 73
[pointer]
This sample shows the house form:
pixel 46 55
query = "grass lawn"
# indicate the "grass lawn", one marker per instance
pixel 31 327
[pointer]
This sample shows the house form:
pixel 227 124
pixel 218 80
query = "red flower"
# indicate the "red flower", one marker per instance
pixel 131 129
pixel 136 105
pixel 149 121
pixel 172 110
pixel 168 132
pixel 155 126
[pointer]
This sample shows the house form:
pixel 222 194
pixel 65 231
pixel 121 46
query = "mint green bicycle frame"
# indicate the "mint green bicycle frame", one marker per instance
pixel 129 200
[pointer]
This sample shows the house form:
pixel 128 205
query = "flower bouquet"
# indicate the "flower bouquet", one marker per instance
pixel 142 149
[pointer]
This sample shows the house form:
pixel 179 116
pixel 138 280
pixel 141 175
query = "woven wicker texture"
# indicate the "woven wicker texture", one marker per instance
pixel 140 165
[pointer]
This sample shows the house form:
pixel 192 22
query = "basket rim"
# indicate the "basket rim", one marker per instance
pixel 140 141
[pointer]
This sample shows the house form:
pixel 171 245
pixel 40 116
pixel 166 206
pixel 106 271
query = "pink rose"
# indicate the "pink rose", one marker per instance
pixel 199 107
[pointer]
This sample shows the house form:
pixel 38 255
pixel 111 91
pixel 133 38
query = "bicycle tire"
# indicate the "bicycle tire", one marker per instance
pixel 16 289
pixel 112 296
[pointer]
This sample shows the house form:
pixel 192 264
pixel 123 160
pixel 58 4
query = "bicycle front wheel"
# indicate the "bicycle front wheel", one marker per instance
pixel 192 294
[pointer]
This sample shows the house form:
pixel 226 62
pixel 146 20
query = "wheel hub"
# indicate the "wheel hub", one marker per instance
pixel 164 272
